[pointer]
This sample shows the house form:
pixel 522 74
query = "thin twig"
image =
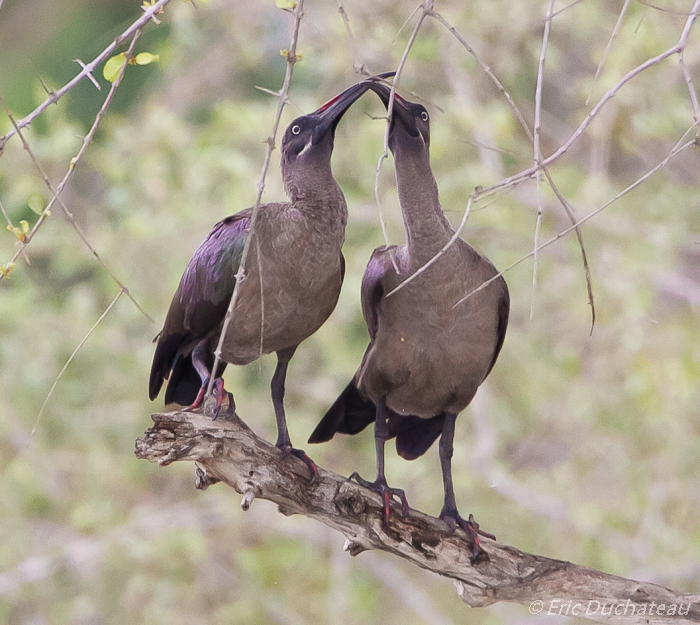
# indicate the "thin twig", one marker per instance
pixel 686 72
pixel 88 69
pixel 93 80
pixel 298 13
pixel 357 64
pixel 593 113
pixel 569 210
pixel 487 71
pixel 262 303
pixel 406 21
pixel 677 149
pixel 691 86
pixel 536 147
pixel 70 358
pixel 566 8
pixel 526 128
pixel 604 58
pixel 516 179
pixel 444 248
pixel 86 140
pixel 663 9
pixel 55 192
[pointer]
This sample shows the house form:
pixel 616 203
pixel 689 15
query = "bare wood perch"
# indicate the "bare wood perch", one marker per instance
pixel 228 451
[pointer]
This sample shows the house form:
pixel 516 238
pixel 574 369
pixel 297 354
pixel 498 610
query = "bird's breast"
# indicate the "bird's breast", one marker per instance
pixel 292 285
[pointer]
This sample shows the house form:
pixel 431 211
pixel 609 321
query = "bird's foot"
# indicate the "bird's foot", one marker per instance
pixel 219 392
pixel 288 450
pixel 471 529
pixel 387 493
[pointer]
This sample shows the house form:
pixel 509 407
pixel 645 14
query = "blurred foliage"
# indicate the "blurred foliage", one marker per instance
pixel 578 447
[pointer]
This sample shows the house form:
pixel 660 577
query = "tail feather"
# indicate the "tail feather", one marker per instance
pixel 350 414
pixel 184 381
pixel 163 361
pixel 414 435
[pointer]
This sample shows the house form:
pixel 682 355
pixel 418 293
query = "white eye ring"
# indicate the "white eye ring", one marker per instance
pixel 295 129
pixel 424 116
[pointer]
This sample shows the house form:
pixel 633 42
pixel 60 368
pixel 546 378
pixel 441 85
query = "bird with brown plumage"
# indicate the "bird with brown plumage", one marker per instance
pixel 291 287
pixel 426 358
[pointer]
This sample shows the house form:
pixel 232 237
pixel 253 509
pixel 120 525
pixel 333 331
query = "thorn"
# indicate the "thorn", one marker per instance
pixel 89 74
pixel 49 92
pixel 277 94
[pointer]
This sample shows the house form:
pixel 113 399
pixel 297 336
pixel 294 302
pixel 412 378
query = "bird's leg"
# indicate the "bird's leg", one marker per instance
pixel 199 357
pixel 277 387
pixel 381 433
pixel 449 512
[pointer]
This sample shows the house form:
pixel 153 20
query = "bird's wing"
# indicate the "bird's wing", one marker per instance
pixel 200 302
pixel 210 276
pixel 373 285
pixel 502 325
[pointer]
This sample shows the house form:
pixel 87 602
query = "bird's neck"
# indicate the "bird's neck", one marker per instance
pixel 317 197
pixel 427 228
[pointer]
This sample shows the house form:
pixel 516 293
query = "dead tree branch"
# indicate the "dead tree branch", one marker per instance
pixel 228 451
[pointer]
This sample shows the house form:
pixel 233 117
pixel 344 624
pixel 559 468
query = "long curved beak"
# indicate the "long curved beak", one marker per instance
pixel 332 111
pixel 400 109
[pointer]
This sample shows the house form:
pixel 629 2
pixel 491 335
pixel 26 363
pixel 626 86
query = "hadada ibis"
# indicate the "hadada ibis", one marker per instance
pixel 295 260
pixel 426 358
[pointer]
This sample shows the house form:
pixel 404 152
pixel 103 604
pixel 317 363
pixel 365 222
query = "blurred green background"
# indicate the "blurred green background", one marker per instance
pixel 578 447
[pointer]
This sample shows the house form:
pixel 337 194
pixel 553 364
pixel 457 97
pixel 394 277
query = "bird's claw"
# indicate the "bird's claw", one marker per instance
pixel 387 494
pixel 288 450
pixel 220 392
pixel 471 529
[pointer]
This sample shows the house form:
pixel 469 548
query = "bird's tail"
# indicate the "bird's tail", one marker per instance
pixel 350 414
pixel 184 381
pixel 414 435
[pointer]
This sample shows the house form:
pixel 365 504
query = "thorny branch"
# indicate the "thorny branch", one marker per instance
pixel 298 13
pixel 228 451
pixel 87 70
pixel 526 128
pixel 526 174
pixel 606 52
pixel 535 170
pixel 357 64
pixel 537 157
pixel 55 192
pixel 677 149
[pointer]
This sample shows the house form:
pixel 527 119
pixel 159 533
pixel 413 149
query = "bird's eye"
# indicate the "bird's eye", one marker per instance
pixel 424 116
pixel 296 130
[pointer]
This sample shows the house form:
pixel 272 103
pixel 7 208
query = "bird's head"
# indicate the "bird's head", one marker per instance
pixel 308 140
pixel 410 121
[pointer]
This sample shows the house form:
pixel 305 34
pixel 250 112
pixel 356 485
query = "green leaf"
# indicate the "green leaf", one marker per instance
pixel 5 270
pixel 146 58
pixel 113 66
pixel 285 4
pixel 36 202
